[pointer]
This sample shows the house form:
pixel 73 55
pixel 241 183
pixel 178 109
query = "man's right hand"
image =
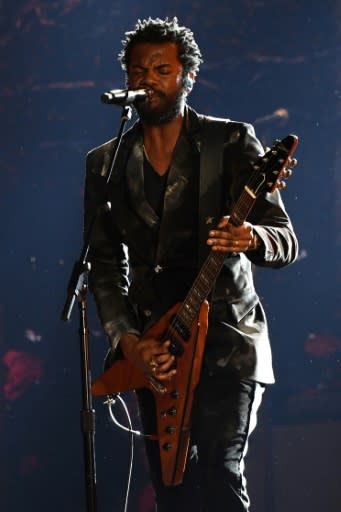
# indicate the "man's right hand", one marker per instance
pixel 149 355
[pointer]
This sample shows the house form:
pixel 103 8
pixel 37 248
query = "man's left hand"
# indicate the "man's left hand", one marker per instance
pixel 228 238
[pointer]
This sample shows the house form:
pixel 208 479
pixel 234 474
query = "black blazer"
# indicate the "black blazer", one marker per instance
pixel 137 265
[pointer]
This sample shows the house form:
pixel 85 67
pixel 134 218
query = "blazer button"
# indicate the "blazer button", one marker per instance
pixel 147 312
pixel 158 269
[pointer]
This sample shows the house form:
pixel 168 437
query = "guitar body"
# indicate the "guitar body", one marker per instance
pixel 173 401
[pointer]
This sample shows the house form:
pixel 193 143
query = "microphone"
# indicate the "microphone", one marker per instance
pixel 123 97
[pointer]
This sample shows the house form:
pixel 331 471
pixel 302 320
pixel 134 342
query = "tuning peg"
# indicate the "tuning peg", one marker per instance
pixel 281 185
pixel 287 173
pixel 292 162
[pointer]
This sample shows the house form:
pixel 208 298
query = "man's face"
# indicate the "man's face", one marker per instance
pixel 156 68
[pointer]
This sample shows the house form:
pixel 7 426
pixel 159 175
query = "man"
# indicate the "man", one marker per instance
pixel 145 255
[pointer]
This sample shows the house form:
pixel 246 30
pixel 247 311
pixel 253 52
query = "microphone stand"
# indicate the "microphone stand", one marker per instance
pixel 77 290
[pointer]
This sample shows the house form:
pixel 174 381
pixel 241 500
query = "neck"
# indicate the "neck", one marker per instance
pixel 163 134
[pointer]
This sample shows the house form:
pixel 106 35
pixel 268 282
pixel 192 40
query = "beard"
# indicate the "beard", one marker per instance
pixel 168 108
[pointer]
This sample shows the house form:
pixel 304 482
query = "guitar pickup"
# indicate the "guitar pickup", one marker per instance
pixel 180 329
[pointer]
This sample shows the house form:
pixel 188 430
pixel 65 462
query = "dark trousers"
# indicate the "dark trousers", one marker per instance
pixel 224 415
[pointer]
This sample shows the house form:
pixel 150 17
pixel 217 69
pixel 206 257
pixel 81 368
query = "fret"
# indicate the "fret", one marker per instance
pixel 193 301
pixel 186 317
pixel 195 290
pixel 187 306
pixel 202 286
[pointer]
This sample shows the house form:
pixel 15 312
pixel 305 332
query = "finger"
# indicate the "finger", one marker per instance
pixel 168 365
pixel 226 237
pixel 164 376
pixel 218 241
pixel 164 358
pixel 222 242
pixel 224 248
pixel 218 233
pixel 167 369
pixel 161 353
pixel 230 246
pixel 164 365
pixel 154 347
pixel 224 221
pixel 234 232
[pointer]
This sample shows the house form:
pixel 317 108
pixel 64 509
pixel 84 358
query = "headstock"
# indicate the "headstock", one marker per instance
pixel 274 166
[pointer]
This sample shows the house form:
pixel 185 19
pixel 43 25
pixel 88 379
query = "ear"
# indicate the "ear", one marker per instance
pixel 189 80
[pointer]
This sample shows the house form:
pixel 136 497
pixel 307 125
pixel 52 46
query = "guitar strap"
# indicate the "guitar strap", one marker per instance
pixel 212 137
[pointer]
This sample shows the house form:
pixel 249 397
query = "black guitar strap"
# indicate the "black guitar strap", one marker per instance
pixel 212 137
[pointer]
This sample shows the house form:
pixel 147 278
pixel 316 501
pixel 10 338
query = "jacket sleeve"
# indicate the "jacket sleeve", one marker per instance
pixel 109 273
pixel 278 243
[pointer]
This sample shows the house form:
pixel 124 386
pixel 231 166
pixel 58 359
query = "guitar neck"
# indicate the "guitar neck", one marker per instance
pixel 266 177
pixel 212 266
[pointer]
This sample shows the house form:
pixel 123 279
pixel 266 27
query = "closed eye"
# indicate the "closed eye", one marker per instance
pixel 164 69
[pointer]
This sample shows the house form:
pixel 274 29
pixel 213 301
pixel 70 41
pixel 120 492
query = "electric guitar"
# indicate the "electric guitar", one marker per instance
pixel 185 325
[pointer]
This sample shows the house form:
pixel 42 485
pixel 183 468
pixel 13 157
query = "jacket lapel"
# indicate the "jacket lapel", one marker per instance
pixel 135 184
pixel 174 208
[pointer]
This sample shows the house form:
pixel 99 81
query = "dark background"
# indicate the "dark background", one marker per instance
pixel 273 63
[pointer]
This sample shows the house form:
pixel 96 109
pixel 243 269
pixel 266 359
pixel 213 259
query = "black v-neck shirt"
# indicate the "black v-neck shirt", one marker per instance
pixel 154 187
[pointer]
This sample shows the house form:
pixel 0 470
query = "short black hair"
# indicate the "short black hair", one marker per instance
pixel 161 31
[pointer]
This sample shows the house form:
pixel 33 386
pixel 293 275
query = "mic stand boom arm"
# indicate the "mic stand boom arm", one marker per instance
pixel 77 289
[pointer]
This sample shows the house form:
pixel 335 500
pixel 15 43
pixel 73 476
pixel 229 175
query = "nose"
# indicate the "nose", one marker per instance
pixel 149 78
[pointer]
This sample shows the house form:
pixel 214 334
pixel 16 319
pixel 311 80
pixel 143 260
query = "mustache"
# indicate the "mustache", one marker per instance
pixel 153 92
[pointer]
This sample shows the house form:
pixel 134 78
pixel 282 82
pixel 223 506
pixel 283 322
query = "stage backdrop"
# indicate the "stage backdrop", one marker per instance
pixel 273 63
